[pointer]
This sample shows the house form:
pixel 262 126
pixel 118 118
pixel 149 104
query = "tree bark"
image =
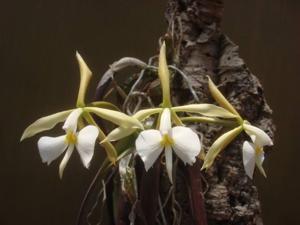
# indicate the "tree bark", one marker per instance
pixel 194 26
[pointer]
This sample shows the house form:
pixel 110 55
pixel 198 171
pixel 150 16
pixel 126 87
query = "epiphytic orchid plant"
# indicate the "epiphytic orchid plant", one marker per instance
pixel 154 131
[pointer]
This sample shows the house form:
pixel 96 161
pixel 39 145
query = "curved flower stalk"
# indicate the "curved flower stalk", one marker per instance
pixel 252 151
pixel 182 140
pixel 51 148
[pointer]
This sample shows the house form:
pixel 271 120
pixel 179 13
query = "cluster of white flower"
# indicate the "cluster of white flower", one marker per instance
pixel 150 143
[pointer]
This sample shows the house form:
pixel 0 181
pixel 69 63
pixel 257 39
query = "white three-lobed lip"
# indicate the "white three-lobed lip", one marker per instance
pixel 51 148
pixel 183 140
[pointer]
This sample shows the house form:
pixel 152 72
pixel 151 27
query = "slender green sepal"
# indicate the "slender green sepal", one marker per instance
pixel 145 113
pixel 176 119
pixel 45 123
pixel 219 97
pixel 122 132
pixel 164 76
pixel 115 117
pixel 219 145
pixel 85 77
pixel 119 133
pixel 205 109
pixel 104 104
pixel 204 119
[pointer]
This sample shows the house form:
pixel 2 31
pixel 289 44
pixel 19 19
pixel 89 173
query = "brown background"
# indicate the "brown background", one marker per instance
pixel 39 76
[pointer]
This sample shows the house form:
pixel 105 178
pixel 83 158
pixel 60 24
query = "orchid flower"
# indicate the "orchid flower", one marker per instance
pixel 48 122
pixel 252 151
pixel 207 110
pixel 183 140
pixel 51 148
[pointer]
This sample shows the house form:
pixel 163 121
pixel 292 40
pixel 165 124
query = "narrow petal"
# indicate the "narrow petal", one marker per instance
pixel 260 157
pixel 116 117
pixel 85 77
pixel 104 104
pixel 186 145
pixel 258 136
pixel 51 148
pixel 148 146
pixel 144 113
pixel 249 158
pixel 119 133
pixel 65 160
pixel 165 121
pixel 164 75
pixel 86 144
pixel 71 121
pixel 219 145
pixel 169 162
pixel 45 123
pixel 206 110
pixel 219 97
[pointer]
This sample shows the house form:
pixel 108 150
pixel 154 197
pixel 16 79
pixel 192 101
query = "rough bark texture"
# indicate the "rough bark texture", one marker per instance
pixel 194 25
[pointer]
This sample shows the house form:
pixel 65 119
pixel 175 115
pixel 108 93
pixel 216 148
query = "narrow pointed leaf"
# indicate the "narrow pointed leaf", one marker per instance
pixel 219 145
pixel 219 97
pixel 205 109
pixel 45 123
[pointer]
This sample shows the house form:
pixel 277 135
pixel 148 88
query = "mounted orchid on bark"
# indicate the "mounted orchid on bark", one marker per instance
pixel 151 134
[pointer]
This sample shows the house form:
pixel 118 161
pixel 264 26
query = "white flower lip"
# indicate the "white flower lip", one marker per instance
pixel 51 148
pixel 184 141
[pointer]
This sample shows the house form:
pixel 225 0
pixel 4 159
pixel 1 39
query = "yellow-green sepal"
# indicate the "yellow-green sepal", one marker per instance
pixel 145 113
pixel 164 76
pixel 45 123
pixel 122 132
pixel 85 77
pixel 104 104
pixel 219 145
pixel 205 109
pixel 115 117
pixel 220 99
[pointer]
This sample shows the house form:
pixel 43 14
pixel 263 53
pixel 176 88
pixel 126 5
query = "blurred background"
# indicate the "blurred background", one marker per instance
pixel 39 76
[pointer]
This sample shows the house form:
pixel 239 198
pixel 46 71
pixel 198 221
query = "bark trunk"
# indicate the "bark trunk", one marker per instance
pixel 194 26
